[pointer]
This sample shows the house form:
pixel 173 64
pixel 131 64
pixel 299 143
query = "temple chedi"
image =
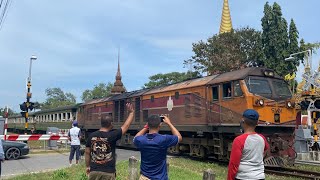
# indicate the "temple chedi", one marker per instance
pixel 226 24
pixel 118 87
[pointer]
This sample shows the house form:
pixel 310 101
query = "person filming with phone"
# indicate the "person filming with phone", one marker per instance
pixel 153 147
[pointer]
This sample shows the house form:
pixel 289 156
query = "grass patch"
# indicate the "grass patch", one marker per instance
pixel 179 168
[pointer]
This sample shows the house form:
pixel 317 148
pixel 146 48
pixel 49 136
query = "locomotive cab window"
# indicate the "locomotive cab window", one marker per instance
pixel 227 90
pixel 215 93
pixel 237 89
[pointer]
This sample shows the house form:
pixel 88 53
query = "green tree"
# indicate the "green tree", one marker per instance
pixel 275 39
pixel 170 78
pixel 228 51
pixel 293 44
pixel 306 46
pixel 99 91
pixel 10 112
pixel 57 98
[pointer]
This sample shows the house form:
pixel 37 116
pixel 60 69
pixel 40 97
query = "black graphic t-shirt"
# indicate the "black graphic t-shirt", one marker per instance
pixel 103 147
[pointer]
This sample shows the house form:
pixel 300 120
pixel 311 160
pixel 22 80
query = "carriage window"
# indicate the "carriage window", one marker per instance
pixel 237 89
pixel 227 90
pixel 145 114
pixel 152 98
pixel 176 95
pixel 215 93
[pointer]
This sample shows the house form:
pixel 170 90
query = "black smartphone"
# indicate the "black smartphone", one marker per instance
pixel 162 118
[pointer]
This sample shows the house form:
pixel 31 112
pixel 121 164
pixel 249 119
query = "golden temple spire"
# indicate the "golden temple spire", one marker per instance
pixel 226 24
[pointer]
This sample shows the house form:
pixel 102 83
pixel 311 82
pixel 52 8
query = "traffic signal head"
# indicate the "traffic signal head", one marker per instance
pixel 304 104
pixel 23 106
pixel 31 106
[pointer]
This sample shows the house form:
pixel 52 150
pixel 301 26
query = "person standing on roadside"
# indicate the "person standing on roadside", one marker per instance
pixel 153 147
pixel 74 136
pixel 248 150
pixel 101 147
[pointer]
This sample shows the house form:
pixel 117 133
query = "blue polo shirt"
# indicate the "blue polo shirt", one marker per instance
pixel 153 148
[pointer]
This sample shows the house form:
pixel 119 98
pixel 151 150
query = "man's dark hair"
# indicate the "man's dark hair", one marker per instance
pixel 106 121
pixel 154 121
pixel 250 122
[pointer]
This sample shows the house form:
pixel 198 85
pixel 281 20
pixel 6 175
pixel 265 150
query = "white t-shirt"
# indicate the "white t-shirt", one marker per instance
pixel 74 134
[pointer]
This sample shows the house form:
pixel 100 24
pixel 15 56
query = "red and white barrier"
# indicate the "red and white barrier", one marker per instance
pixel 33 137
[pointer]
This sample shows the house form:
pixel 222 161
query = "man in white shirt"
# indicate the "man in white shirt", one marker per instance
pixel 74 136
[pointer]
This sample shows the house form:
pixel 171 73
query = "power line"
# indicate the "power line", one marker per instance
pixel 4 11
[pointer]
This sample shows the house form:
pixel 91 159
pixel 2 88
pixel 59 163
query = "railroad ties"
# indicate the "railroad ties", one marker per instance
pixel 281 171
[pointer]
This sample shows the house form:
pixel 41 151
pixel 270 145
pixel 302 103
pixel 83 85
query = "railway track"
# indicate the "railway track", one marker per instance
pixel 314 163
pixel 293 173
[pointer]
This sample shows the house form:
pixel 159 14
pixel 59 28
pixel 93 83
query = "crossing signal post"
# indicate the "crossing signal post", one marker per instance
pixel 26 106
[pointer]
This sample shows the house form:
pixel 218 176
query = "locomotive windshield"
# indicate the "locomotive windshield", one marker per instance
pixel 276 89
pixel 281 88
pixel 259 86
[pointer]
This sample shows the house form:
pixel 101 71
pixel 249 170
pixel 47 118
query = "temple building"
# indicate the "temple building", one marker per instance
pixel 226 24
pixel 118 87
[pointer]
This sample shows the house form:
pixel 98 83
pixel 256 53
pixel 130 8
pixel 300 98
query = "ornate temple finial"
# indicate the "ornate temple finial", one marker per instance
pixel 226 24
pixel 118 87
pixel 118 72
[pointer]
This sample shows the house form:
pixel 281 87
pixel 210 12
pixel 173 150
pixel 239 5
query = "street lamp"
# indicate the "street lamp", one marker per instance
pixel 33 58
pixel 308 59
pixel 307 52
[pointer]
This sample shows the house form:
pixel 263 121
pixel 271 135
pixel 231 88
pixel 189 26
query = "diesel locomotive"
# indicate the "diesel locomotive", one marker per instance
pixel 207 112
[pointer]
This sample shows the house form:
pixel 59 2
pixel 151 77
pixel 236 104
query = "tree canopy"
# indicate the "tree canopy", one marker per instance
pixel 99 91
pixel 170 78
pixel 228 51
pixel 57 98
pixel 248 47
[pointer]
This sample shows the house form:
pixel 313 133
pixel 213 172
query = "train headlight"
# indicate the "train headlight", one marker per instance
pixel 268 73
pixel 289 104
pixel 260 102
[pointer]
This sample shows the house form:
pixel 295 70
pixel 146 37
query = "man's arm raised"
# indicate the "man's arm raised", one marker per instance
pixel 173 129
pixel 143 131
pixel 129 120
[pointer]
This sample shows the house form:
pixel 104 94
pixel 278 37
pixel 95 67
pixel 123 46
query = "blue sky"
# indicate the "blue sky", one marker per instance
pixel 76 42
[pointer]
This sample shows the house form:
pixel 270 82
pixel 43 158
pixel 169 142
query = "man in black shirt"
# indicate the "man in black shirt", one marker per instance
pixel 101 147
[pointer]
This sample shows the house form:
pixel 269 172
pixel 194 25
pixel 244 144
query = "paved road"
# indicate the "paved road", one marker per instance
pixel 46 162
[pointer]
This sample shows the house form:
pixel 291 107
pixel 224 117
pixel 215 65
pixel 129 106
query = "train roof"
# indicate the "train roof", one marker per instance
pixel 117 97
pixel 241 74
pixel 72 107
pixel 183 85
pixel 94 101
pixel 213 79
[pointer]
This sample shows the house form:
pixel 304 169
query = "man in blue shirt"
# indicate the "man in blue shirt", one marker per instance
pixel 153 147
